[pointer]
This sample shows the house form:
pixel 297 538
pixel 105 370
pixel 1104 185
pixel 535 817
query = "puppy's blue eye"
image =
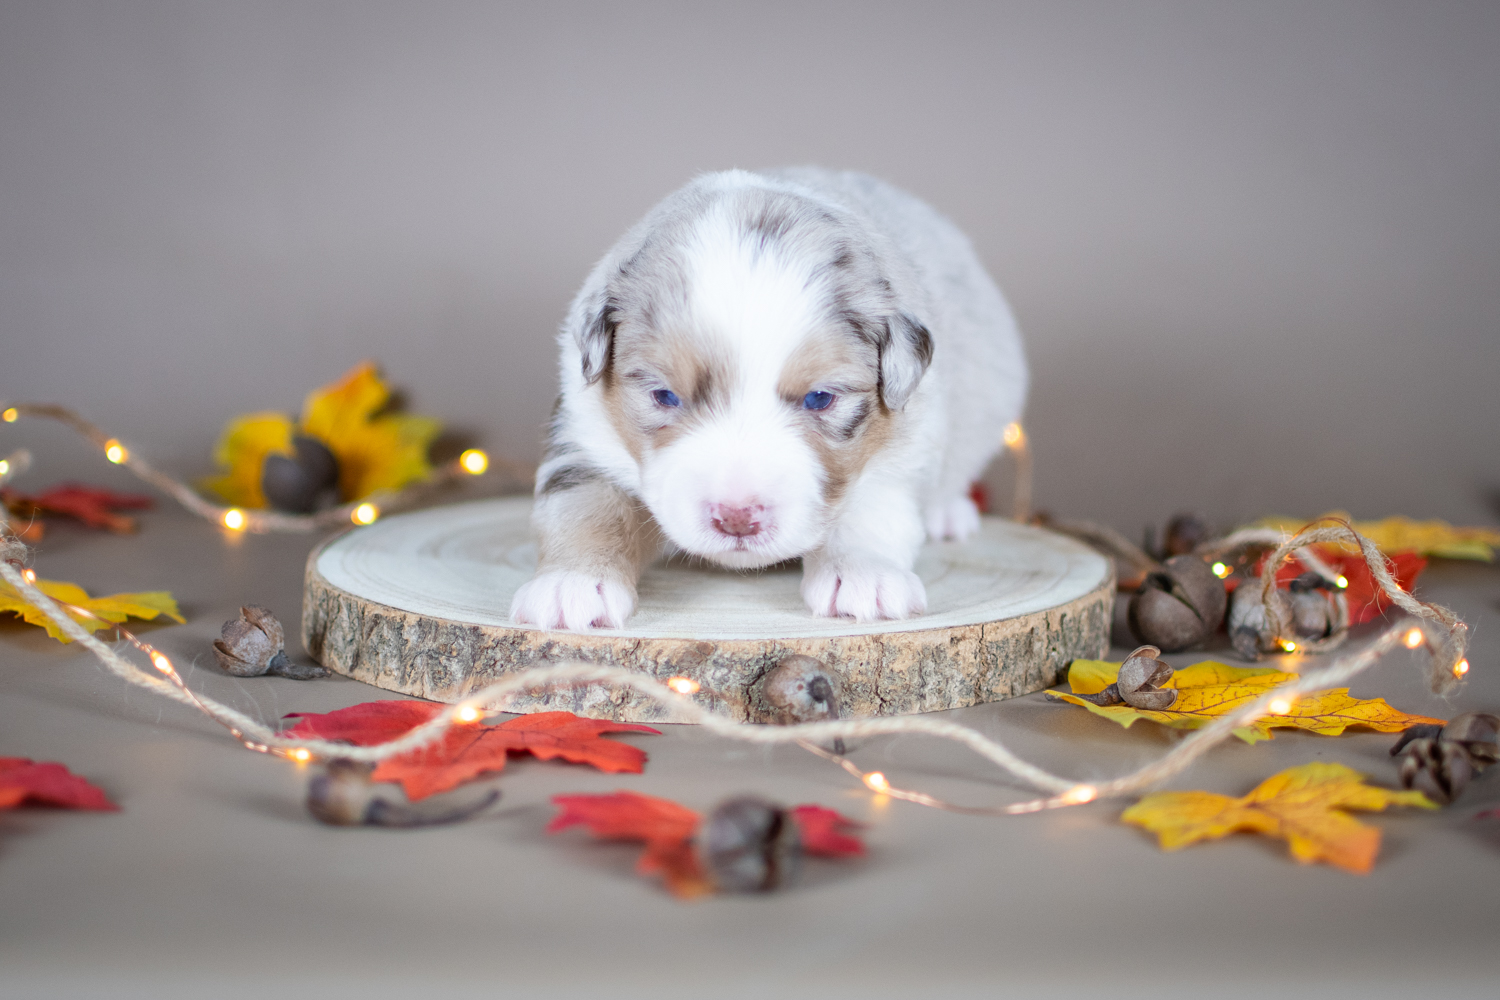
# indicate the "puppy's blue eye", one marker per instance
pixel 666 397
pixel 817 400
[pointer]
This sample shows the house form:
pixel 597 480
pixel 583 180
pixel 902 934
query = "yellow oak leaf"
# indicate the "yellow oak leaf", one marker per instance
pixel 1402 534
pixel 375 451
pixel 241 451
pixel 1302 805
pixel 1208 690
pixel 114 608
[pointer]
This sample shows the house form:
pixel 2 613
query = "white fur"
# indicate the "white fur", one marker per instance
pixel 698 267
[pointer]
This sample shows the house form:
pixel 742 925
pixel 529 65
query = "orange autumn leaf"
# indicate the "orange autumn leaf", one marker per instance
pixel 468 750
pixel 1302 805
pixel 1209 690
pixel 665 827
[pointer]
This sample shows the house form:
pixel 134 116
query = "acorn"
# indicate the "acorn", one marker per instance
pixel 801 689
pixel 749 845
pixel 343 795
pixel 254 644
pixel 1179 605
pixel 1185 532
pixel 1138 683
pixel 293 482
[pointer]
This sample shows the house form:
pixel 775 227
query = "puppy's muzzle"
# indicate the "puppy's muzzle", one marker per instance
pixel 737 522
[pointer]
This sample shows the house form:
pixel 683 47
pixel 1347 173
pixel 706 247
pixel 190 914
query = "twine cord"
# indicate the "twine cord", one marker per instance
pixel 1445 655
pixel 496 696
pixel 263 521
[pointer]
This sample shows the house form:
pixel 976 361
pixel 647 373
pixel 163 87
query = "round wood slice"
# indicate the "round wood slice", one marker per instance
pixel 419 603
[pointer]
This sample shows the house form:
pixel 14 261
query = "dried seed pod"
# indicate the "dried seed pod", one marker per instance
pixel 1439 769
pixel 1247 621
pixel 1314 611
pixel 293 482
pixel 1185 532
pixel 254 644
pixel 1141 677
pixel 1138 683
pixel 801 689
pixel 343 795
pixel 1179 605
pixel 1475 730
pixel 1421 731
pixel 749 845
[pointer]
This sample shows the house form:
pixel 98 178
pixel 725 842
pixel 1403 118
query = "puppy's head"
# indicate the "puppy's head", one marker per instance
pixel 753 359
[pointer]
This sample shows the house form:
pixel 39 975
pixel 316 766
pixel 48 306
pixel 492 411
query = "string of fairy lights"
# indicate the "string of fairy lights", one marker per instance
pixel 1444 639
pixel 362 511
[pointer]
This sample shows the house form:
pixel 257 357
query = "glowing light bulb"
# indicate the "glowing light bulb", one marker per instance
pixel 1288 646
pixel 115 451
pixel 1014 436
pixel 1342 582
pixel 1460 668
pixel 160 661
pixel 1281 706
pixel 1079 794
pixel 1221 570
pixel 4 467
pixel 474 461
pixel 234 519
pixel 365 513
pixel 876 781
pixel 11 415
pixel 468 713
pixel 301 755
pixel 29 574
pixel 683 685
pixel 1414 638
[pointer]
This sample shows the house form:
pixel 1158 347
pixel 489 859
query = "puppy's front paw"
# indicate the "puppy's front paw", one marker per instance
pixel 866 592
pixel 574 601
pixel 954 520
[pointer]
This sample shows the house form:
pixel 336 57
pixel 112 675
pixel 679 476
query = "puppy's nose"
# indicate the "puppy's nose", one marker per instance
pixel 737 522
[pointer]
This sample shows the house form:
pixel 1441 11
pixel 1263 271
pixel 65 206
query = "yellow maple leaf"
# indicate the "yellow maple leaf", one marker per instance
pixel 375 451
pixel 1302 805
pixel 241 451
pixel 113 608
pixel 1208 690
pixel 1402 534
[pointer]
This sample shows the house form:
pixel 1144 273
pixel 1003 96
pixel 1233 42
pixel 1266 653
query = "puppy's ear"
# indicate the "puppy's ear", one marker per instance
pixel 905 353
pixel 596 338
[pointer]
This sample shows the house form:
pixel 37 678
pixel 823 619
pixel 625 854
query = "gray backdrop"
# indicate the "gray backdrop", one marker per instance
pixel 1253 247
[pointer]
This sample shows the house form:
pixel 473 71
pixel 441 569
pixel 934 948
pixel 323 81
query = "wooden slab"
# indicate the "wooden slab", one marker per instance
pixel 418 603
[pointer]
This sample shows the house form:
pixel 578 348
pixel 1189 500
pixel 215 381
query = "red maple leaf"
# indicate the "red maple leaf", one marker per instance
pixel 92 505
pixel 23 780
pixel 823 832
pixel 667 829
pixel 468 750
